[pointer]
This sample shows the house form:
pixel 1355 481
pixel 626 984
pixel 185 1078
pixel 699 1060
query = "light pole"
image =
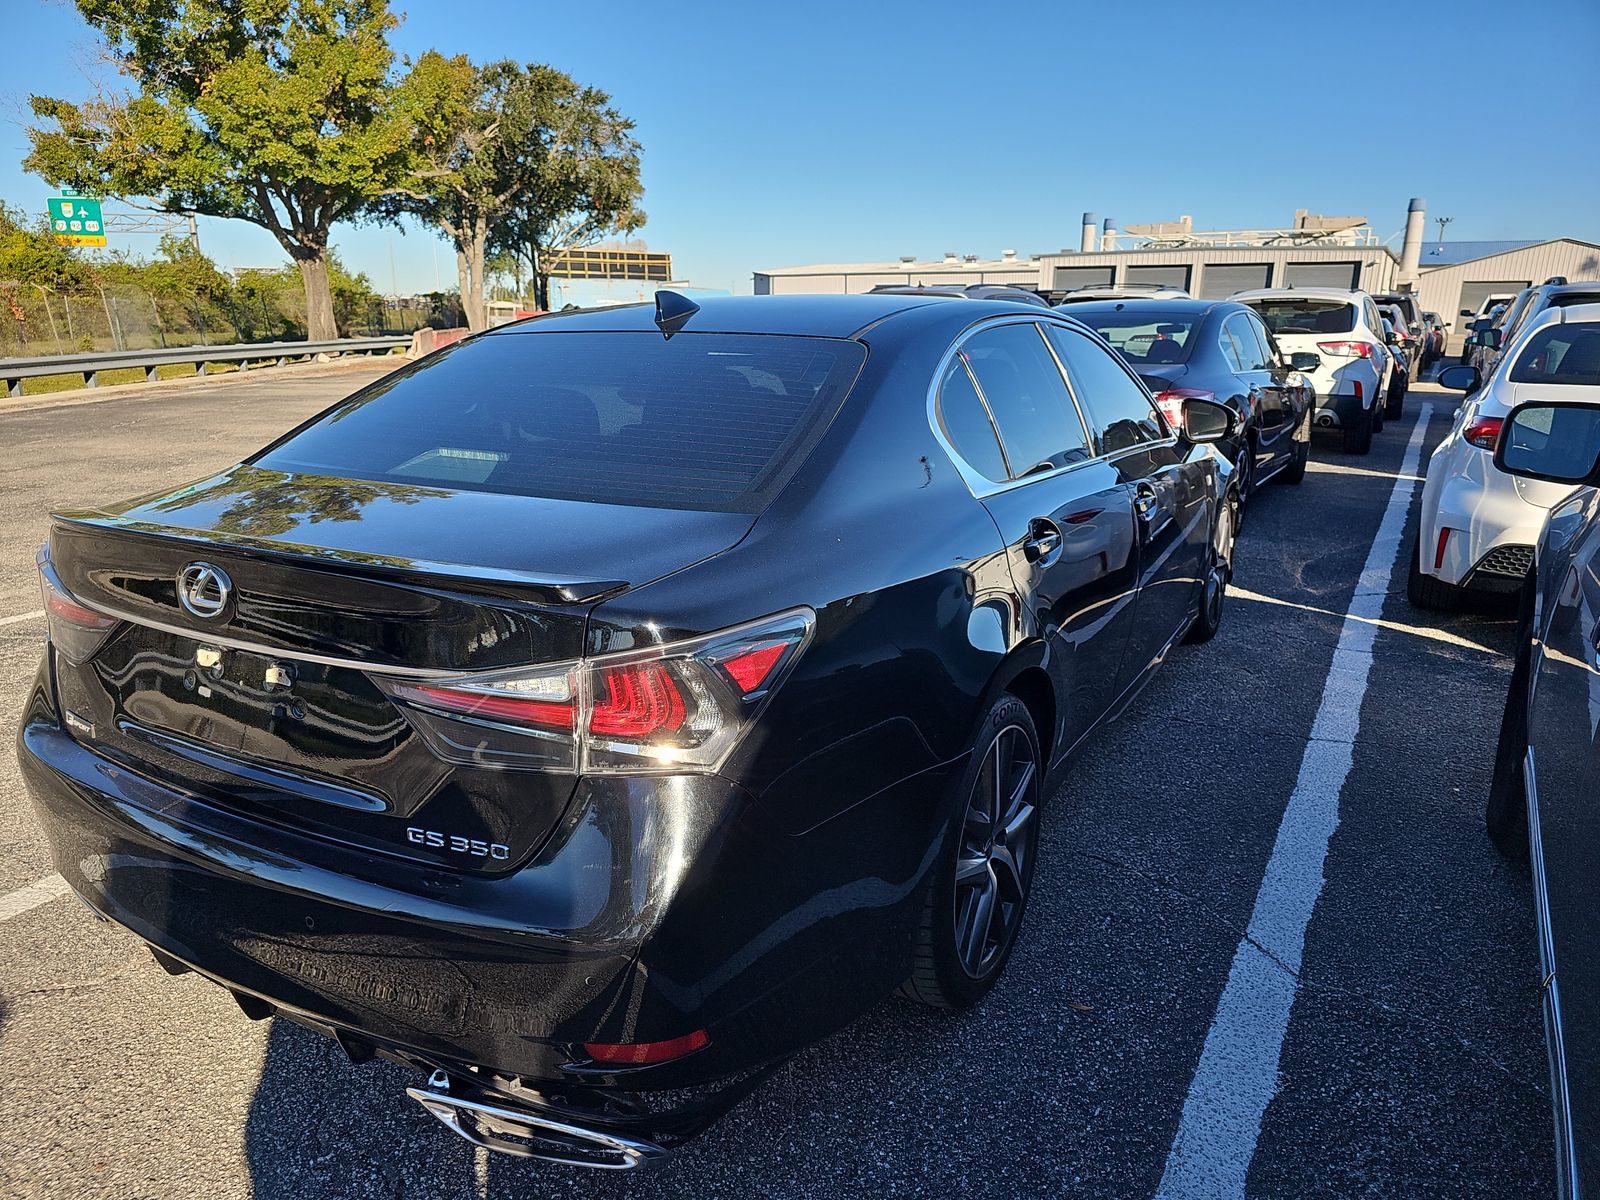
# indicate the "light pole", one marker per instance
pixel 1441 222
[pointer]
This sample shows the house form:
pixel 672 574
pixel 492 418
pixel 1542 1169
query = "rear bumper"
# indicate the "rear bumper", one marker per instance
pixel 1491 529
pixel 661 908
pixel 1339 408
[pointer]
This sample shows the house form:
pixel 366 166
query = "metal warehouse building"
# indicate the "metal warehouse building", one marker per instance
pixel 1316 251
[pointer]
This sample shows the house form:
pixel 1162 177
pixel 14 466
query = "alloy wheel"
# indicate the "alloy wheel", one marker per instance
pixel 1245 469
pixel 998 837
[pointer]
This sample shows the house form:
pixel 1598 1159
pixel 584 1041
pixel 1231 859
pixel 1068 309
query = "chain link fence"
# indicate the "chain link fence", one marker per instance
pixel 39 320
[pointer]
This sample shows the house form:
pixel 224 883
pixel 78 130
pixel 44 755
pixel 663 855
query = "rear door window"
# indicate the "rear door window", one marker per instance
pixel 1118 409
pixel 1248 349
pixel 965 423
pixel 703 421
pixel 1039 427
pixel 1269 352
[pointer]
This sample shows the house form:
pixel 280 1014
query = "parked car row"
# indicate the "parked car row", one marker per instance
pixel 1541 805
pixel 1478 525
pixel 1490 339
pixel 1345 331
pixel 1185 349
pixel 698 671
pixel 1511 506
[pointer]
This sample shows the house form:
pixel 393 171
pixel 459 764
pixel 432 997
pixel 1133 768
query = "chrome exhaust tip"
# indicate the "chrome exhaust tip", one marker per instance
pixel 1326 420
pixel 509 1128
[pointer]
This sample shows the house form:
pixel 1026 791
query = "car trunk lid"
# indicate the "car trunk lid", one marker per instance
pixel 271 707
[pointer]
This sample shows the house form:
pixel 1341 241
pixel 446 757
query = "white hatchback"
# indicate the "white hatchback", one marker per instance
pixel 1479 525
pixel 1343 329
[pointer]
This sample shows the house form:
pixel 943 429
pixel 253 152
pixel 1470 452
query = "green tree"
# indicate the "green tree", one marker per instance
pixel 29 255
pixel 586 183
pixel 519 158
pixel 283 113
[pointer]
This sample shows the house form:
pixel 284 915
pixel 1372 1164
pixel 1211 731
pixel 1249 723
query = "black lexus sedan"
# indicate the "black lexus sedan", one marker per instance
pixel 599 710
pixel 1218 350
pixel 1542 803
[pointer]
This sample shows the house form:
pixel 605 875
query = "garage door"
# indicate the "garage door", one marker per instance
pixel 1066 279
pixel 1322 274
pixel 1218 282
pixel 1176 276
pixel 1474 291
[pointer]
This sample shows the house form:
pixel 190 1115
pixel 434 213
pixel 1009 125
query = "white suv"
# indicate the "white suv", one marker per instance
pixel 1479 525
pixel 1344 330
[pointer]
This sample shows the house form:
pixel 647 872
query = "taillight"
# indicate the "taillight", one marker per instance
pixel 76 631
pixel 680 707
pixel 1170 402
pixel 543 701
pixel 635 701
pixel 1483 432
pixel 1438 554
pixel 1347 349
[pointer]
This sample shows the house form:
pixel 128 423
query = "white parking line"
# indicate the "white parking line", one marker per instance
pixel 1421 631
pixel 40 891
pixel 1238 1071
pixel 27 616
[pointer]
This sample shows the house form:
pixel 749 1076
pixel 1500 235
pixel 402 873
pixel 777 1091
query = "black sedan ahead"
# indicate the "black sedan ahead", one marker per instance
pixel 1217 350
pixel 601 709
pixel 1547 765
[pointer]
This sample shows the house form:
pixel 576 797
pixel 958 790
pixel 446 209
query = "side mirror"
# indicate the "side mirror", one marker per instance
pixel 1559 443
pixel 1490 338
pixel 1460 379
pixel 1391 338
pixel 1480 324
pixel 1206 420
pixel 1466 312
pixel 1304 360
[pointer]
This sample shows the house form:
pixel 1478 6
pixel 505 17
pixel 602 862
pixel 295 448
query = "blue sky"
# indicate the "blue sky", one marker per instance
pixel 778 134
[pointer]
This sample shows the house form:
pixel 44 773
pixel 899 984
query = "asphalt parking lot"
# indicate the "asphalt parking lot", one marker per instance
pixel 1412 1064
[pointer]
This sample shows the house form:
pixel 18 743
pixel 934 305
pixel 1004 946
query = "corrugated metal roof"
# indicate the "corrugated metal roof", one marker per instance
pixel 1449 253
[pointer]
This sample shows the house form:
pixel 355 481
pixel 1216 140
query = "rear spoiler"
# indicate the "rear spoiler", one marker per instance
pixel 508 584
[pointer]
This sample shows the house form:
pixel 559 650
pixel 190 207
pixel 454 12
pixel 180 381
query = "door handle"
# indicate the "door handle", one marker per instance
pixel 1043 540
pixel 1144 503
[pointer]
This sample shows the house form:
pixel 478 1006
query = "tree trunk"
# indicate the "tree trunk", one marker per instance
pixel 320 325
pixel 464 283
pixel 469 270
pixel 541 291
pixel 477 310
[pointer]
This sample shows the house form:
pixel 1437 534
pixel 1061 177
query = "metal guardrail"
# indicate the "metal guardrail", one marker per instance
pixel 14 370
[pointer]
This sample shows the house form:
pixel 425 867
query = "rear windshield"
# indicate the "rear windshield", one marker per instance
pixel 1306 316
pixel 1561 354
pixel 1143 336
pixel 1568 299
pixel 705 421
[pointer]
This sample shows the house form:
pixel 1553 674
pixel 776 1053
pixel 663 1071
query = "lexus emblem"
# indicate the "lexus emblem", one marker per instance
pixel 204 589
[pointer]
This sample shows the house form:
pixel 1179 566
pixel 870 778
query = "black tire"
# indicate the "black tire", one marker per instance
pixel 956 962
pixel 1505 815
pixel 1244 472
pixel 1295 472
pixel 1397 400
pixel 1214 586
pixel 1358 434
pixel 1378 411
pixel 1426 592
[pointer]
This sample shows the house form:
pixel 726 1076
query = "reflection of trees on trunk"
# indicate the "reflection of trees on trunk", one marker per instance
pixel 270 503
